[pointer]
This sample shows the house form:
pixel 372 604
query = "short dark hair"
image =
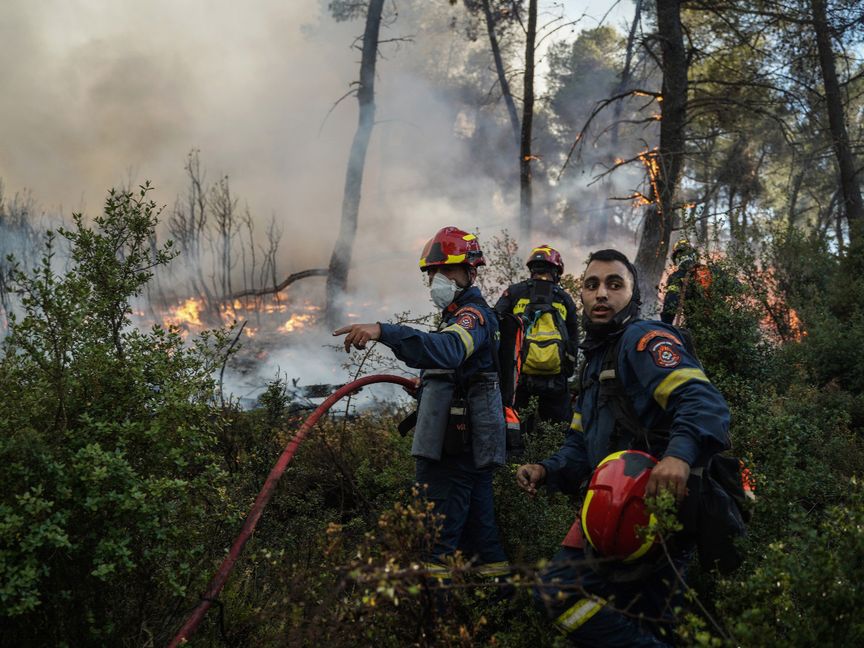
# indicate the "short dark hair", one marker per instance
pixel 614 255
pixel 541 266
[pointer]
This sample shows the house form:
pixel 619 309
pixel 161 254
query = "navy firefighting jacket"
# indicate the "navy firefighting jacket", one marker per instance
pixel 466 341
pixel 463 347
pixel 668 390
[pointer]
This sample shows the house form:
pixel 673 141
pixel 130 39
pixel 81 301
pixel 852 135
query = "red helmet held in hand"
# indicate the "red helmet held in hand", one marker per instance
pixel 614 511
pixel 451 246
pixel 546 255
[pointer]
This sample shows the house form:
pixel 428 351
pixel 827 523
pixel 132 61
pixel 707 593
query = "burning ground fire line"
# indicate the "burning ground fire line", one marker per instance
pixel 191 315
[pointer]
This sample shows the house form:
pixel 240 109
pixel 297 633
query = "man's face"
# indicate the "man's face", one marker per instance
pixel 457 273
pixel 607 287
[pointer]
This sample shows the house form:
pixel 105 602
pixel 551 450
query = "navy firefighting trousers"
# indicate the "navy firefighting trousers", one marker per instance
pixel 463 495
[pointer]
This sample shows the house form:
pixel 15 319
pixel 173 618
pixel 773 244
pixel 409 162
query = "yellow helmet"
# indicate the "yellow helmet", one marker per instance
pixel 682 246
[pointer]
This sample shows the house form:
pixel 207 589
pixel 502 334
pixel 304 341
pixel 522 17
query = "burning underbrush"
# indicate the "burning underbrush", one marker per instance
pixel 280 337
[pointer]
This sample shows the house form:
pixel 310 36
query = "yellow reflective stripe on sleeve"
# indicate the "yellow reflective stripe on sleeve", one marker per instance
pixel 494 569
pixel 464 335
pixel 673 381
pixel 434 570
pixel 575 616
pixel 576 423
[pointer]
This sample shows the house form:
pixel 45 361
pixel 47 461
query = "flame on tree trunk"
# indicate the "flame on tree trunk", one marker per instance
pixel 340 261
pixel 669 157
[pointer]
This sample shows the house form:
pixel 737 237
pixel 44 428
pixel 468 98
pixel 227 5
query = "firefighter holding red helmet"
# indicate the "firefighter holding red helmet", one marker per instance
pixel 552 331
pixel 646 418
pixel 459 433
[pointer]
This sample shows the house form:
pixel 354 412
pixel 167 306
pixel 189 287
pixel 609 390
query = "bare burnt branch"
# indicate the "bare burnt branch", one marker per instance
pixel 303 274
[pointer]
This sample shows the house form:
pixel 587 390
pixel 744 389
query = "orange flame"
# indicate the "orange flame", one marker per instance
pixel 186 314
pixel 297 321
pixel 652 165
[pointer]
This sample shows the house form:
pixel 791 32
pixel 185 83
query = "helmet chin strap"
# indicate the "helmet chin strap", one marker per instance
pixel 472 275
pixel 623 317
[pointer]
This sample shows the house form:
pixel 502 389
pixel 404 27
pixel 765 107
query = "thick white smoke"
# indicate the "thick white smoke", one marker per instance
pixel 107 94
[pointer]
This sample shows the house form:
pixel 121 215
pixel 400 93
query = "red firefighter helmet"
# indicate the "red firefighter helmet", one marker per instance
pixel 546 254
pixel 451 246
pixel 614 510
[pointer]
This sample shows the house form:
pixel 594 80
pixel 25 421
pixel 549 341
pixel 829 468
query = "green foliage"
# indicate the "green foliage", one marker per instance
pixel 795 422
pixel 829 301
pixel 725 321
pixel 108 440
pixel 805 589
pixel 504 265
pixel 124 480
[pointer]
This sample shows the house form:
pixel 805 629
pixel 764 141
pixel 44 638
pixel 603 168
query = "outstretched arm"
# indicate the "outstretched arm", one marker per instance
pixel 359 334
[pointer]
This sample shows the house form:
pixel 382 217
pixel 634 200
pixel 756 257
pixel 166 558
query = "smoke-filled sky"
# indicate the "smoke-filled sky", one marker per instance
pixel 100 93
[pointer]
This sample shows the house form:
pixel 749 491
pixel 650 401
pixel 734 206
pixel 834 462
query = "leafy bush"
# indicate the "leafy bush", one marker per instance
pixel 125 477
pixel 805 588
pixel 113 490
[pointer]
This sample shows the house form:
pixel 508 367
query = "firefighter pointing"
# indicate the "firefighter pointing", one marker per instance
pixel 647 416
pixel 459 436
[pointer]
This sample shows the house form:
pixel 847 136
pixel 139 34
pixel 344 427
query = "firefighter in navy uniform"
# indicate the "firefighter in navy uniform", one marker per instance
pixel 459 437
pixel 690 280
pixel 684 421
pixel 552 332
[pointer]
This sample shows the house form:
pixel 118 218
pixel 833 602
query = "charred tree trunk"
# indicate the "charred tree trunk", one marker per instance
pixel 599 222
pixel 502 76
pixel 340 261
pixel 669 157
pixel 525 157
pixel 852 202
pixel 626 72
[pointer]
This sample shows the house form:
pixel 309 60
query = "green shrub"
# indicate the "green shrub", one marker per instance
pixel 113 492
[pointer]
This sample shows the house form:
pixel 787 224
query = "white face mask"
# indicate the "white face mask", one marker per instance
pixel 443 291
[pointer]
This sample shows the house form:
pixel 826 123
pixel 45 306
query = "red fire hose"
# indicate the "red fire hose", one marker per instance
pixel 221 575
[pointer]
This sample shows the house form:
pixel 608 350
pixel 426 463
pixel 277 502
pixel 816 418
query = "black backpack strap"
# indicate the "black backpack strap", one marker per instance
pixel 613 395
pixel 506 383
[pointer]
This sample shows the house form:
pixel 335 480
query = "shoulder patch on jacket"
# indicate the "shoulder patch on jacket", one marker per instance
pixel 656 333
pixel 467 317
pixel 664 354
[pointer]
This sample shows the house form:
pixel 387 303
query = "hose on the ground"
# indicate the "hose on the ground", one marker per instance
pixel 221 575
